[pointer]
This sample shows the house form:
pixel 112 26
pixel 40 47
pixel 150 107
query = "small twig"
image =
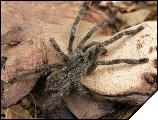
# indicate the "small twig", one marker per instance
pixel 35 105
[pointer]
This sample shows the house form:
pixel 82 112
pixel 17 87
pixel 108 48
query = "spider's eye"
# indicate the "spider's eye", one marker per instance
pixel 80 59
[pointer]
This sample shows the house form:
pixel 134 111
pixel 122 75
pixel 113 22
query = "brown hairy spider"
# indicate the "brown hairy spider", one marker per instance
pixel 78 62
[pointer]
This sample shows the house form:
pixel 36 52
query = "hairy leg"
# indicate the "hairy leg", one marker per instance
pixel 91 32
pixel 25 73
pixel 57 48
pixel 90 45
pixel 120 35
pixel 90 68
pixel 128 61
pixel 113 39
pixel 91 56
pixel 73 29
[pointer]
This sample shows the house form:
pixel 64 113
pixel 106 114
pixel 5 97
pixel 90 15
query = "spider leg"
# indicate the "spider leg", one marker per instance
pixel 113 39
pixel 73 29
pixel 91 56
pixel 120 35
pixel 128 61
pixel 90 68
pixel 57 48
pixel 90 45
pixel 25 73
pixel 91 32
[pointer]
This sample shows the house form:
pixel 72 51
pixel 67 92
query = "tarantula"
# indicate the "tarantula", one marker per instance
pixel 78 62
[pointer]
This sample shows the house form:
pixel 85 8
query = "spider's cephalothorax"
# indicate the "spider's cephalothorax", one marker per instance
pixel 79 62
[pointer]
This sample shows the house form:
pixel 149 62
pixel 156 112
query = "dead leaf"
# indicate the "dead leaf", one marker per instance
pixel 17 112
pixel 123 112
pixel 60 113
pixel 26 55
pixel 127 11
pixel 129 112
pixel 85 107
pixel 130 19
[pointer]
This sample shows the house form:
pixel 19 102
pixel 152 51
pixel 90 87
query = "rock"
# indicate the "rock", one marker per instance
pixel 130 19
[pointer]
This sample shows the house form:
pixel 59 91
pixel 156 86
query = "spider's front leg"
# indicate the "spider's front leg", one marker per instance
pixel 120 35
pixel 114 38
pixel 90 33
pixel 73 29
